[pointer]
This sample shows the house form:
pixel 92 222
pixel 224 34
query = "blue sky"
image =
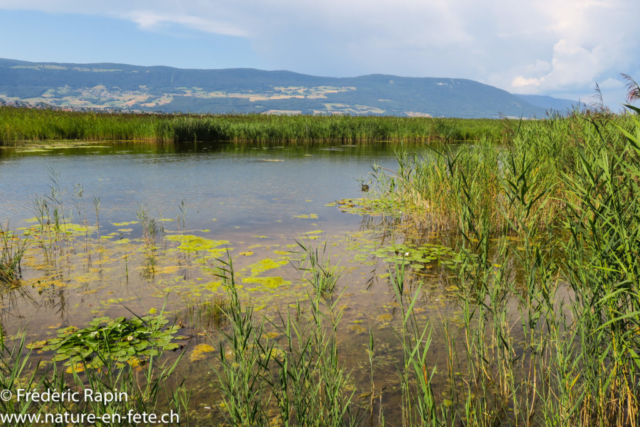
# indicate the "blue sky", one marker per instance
pixel 552 47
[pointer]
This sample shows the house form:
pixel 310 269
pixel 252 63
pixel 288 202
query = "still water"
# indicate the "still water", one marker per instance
pixel 253 202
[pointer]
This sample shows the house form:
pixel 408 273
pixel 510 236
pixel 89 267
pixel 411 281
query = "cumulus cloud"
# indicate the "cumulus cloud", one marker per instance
pixel 544 46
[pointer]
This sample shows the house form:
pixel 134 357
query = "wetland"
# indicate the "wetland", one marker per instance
pixel 489 281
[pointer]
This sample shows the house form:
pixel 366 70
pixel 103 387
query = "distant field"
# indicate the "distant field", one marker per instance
pixel 101 97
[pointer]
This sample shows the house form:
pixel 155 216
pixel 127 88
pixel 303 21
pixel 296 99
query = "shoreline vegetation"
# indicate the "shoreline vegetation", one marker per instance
pixel 546 223
pixel 21 125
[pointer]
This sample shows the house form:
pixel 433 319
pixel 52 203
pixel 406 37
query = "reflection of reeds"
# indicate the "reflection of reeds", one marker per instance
pixel 205 314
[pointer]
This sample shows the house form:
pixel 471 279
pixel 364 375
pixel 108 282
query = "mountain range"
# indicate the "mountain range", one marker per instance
pixel 244 90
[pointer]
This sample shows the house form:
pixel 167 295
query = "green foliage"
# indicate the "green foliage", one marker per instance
pixel 147 390
pixel 20 124
pixel 556 213
pixel 121 339
pixel 317 264
pixel 12 251
pixel 299 381
pixel 416 256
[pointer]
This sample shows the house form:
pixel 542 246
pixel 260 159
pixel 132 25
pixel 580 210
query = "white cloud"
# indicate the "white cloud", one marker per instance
pixel 611 83
pixel 150 20
pixel 546 46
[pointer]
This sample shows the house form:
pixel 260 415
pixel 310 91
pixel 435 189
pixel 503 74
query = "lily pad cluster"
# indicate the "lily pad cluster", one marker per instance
pixel 417 256
pixel 120 339
pixel 368 206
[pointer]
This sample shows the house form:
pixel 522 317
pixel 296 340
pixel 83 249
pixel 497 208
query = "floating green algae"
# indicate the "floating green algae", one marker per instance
pixel 190 243
pixel 33 150
pixel 199 352
pixel 314 232
pixel 75 229
pixel 266 282
pixel 265 265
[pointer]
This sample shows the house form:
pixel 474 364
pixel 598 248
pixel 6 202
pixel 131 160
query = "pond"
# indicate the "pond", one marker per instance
pixel 145 223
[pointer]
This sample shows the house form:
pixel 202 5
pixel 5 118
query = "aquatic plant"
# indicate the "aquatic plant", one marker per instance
pixel 565 361
pixel 150 227
pixel 126 340
pixel 24 124
pixel 324 276
pixel 301 381
pixel 13 249
pixel 147 390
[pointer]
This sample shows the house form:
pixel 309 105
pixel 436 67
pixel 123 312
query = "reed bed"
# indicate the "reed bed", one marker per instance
pixel 551 224
pixel 486 174
pixel 18 125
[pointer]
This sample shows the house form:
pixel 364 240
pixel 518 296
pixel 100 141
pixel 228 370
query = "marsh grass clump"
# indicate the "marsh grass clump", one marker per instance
pixel 296 379
pixel 150 227
pixel 430 187
pixel 317 264
pixel 13 249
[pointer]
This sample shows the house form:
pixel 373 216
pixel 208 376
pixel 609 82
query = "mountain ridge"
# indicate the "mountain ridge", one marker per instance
pixel 250 90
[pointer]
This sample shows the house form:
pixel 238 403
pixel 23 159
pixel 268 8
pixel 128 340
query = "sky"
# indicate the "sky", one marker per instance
pixel 545 47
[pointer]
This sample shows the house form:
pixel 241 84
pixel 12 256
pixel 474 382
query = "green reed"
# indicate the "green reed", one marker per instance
pixel 323 276
pixel 18 125
pixel 295 380
pixel 560 217
pixel 12 250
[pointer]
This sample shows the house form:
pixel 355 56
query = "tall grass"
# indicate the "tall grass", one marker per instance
pixel 536 219
pixel 18 125
pixel 546 150
pixel 296 380
pixel 12 250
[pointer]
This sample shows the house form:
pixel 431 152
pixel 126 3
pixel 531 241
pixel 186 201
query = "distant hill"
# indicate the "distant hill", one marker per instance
pixel 244 90
pixel 549 103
